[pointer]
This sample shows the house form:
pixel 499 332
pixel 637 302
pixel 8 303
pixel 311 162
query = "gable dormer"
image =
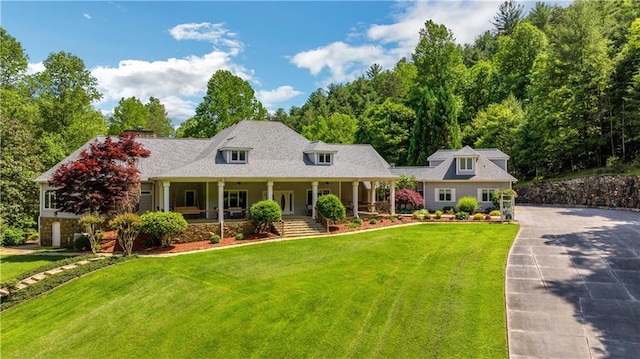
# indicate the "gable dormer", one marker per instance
pixel 235 154
pixel 466 159
pixel 320 154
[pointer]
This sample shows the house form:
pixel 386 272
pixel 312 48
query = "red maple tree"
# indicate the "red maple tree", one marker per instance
pixel 104 179
pixel 407 196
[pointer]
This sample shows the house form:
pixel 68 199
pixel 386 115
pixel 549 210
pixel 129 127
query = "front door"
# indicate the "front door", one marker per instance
pixel 55 234
pixel 285 200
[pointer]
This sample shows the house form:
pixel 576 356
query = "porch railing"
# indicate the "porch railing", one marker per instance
pixel 324 221
pixel 279 227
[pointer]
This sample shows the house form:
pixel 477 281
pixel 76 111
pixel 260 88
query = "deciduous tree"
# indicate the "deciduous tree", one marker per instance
pixel 229 100
pixel 104 178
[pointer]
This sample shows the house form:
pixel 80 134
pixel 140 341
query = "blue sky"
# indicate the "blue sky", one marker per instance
pixel 286 50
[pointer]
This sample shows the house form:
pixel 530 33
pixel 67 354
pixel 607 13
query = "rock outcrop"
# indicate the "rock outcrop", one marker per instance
pixel 620 191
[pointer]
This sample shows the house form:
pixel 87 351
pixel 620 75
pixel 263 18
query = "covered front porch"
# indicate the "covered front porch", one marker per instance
pixel 230 199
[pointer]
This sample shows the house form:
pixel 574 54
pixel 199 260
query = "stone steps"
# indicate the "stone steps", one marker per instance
pixel 302 227
pixel 40 276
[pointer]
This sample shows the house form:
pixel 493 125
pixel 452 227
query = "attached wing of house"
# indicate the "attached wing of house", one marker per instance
pixel 243 164
pixel 452 174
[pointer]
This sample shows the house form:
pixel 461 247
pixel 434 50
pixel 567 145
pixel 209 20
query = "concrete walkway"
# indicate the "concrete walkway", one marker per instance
pixel 573 284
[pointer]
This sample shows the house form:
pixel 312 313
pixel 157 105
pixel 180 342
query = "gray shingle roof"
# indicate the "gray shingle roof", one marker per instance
pixel 485 170
pixel 277 152
pixel 490 153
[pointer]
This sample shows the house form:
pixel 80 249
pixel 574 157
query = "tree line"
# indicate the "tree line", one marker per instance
pixel 558 89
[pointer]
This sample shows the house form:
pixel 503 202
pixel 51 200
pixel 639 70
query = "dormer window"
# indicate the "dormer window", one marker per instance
pixel 324 158
pixel 238 156
pixel 465 164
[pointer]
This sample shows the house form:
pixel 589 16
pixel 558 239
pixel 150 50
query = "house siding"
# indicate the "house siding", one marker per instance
pixel 461 189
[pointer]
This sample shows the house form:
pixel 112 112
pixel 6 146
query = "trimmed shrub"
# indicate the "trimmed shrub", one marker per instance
pixel 240 236
pixel 162 225
pixel 438 214
pixel 468 204
pixel 92 225
pixel 264 213
pixel 494 213
pixel 82 243
pixel 373 221
pixel 357 220
pixel 331 207
pixel 214 238
pixel 478 217
pixel 462 215
pixel 421 214
pixel 128 227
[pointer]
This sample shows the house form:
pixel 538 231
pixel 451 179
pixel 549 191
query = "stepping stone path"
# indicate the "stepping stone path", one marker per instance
pixel 40 276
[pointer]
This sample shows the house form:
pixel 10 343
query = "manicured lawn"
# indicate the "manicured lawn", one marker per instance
pixel 417 291
pixel 13 266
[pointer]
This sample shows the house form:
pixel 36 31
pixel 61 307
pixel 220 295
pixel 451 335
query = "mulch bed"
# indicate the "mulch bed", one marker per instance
pixel 109 244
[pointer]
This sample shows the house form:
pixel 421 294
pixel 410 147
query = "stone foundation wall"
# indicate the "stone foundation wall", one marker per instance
pixel 196 232
pixel 597 191
pixel 68 226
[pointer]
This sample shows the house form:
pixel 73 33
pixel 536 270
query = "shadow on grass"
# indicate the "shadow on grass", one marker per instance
pixel 27 258
pixel 606 294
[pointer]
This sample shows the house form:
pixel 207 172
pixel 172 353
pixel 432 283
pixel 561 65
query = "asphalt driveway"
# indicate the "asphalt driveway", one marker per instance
pixel 573 284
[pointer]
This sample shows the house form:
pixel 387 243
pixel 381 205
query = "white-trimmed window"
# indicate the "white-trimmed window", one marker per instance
pixel 445 195
pixel 235 198
pixel 237 156
pixel 50 200
pixel 486 194
pixel 324 158
pixel 465 164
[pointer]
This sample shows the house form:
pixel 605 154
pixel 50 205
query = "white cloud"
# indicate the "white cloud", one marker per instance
pixel 87 16
pixel 344 61
pixel 217 34
pixel 279 95
pixel 385 44
pixel 166 79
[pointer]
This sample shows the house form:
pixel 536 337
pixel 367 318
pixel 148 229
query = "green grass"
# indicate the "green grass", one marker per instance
pixel 415 291
pixel 11 266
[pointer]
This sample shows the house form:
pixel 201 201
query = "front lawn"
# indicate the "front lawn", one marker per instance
pixel 11 266
pixel 415 291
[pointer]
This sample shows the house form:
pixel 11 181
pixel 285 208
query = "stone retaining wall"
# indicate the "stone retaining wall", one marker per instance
pixel 68 226
pixel 620 191
pixel 196 232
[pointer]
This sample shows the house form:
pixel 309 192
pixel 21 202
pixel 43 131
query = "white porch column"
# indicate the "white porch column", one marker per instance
pixel 165 187
pixel 221 202
pixel 424 193
pixel 355 199
pixel 373 195
pixel 270 190
pixel 314 198
pixel 392 197
pixel 206 199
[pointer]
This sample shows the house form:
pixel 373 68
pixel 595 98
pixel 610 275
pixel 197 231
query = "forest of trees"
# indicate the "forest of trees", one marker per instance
pixel 558 89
